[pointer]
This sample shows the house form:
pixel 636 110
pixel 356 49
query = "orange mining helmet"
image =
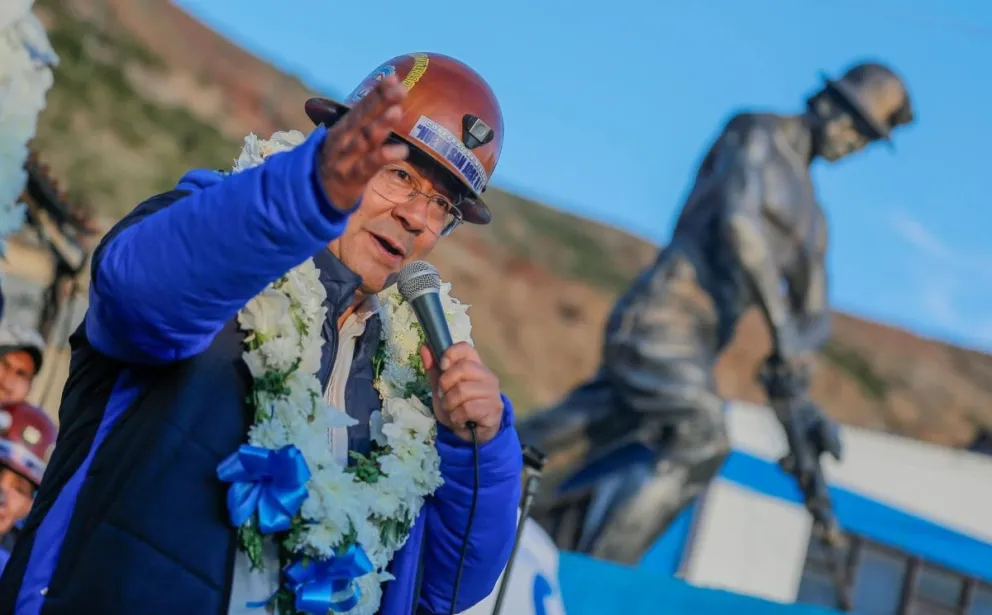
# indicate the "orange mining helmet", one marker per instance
pixel 450 114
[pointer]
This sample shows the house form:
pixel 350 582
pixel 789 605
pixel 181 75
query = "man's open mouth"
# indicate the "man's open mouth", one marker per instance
pixel 389 246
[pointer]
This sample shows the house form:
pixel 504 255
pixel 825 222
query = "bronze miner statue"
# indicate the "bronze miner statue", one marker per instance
pixel 751 233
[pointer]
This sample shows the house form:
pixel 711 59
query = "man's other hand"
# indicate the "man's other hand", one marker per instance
pixel 355 147
pixel 464 390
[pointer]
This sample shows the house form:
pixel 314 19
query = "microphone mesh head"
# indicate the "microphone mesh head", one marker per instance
pixel 417 278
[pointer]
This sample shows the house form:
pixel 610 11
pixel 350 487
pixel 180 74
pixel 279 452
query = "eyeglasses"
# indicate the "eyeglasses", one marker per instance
pixel 397 185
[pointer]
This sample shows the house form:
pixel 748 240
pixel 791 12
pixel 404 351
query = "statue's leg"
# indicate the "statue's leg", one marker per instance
pixel 585 421
pixel 659 357
pixel 591 415
pixel 643 501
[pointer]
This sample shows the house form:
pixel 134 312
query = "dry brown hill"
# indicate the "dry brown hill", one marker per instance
pixel 145 91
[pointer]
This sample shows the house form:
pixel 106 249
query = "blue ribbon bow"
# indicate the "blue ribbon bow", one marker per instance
pixel 272 482
pixel 328 585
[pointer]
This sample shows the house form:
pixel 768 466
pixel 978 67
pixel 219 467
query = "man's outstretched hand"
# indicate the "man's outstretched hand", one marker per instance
pixel 355 147
pixel 464 390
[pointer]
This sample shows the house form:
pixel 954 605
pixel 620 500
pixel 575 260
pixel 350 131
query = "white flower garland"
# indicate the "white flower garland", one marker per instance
pixel 26 58
pixel 374 502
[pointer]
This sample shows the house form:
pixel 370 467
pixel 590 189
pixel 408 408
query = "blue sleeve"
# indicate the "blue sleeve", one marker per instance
pixel 494 527
pixel 171 276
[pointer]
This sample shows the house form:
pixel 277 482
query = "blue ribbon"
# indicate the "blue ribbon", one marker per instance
pixel 328 585
pixel 271 482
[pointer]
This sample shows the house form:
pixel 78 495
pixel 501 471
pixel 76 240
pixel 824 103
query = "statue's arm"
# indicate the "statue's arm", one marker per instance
pixel 810 306
pixel 743 175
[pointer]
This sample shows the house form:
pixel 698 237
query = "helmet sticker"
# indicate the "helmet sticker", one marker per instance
pixel 366 86
pixel 31 435
pixel 420 62
pixel 450 148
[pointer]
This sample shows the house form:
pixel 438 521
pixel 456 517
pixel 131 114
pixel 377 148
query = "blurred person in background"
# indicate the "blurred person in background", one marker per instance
pixel 26 432
pixel 21 353
pixel 132 516
pixel 27 436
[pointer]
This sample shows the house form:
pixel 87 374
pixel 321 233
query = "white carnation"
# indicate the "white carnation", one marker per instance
pixel 456 313
pixel 282 351
pixel 310 359
pixel 251 156
pixel 401 479
pixel 320 539
pixel 404 344
pixel 267 313
pixel 394 378
pixel 331 505
pixel 410 414
pixel 330 417
pixel 270 434
pixel 255 151
pixel 386 503
pixel 281 141
pixel 370 587
pixel 304 289
pixel 256 364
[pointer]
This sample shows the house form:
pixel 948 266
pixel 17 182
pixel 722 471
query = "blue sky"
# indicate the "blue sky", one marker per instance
pixel 608 107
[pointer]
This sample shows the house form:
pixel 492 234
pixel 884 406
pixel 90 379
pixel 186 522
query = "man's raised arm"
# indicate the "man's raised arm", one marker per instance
pixel 172 275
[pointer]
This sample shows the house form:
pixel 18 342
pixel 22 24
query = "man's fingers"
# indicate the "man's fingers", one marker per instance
pixel 355 147
pixel 459 352
pixel 477 411
pixel 352 146
pixel 393 152
pixel 375 132
pixel 462 371
pixel 381 105
pixel 464 393
pixel 372 161
pixel 432 372
pixel 387 92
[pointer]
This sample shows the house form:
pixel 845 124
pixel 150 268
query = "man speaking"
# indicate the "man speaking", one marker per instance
pixel 222 446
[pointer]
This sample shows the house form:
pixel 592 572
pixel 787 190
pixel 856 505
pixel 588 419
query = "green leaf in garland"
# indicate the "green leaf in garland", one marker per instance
pixel 365 468
pixel 251 542
pixel 294 536
pixel 379 358
pixel 285 602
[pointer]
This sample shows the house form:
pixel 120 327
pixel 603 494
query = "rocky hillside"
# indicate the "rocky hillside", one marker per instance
pixel 145 92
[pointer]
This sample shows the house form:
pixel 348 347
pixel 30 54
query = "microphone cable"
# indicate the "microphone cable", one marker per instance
pixel 471 515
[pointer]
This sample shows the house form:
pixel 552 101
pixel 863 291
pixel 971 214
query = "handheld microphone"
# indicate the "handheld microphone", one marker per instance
pixel 420 284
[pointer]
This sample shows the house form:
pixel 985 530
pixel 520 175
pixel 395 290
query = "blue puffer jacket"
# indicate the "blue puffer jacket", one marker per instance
pixel 167 284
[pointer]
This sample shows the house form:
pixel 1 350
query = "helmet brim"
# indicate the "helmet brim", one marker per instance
pixel 326 111
pixel 840 90
pixel 19 459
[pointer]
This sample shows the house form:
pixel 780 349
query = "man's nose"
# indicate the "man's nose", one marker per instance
pixel 413 214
